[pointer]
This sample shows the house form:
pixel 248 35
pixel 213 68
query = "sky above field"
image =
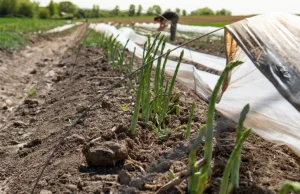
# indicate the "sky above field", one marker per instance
pixel 240 7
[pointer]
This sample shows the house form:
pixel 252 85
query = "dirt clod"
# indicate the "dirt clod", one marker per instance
pixel 138 183
pixel 124 177
pixel 31 102
pixel 105 154
pixel 33 143
pixel 106 104
pixel 34 71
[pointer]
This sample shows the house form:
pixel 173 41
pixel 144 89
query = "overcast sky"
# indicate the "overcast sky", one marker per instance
pixel 237 7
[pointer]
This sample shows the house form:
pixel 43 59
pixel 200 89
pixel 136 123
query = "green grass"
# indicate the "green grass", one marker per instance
pixel 94 39
pixel 13 31
pixel 24 25
pixel 222 24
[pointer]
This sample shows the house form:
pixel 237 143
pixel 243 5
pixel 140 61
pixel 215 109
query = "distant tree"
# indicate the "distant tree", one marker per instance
pixel 223 12
pixel 66 7
pixel 178 11
pixel 95 11
pixel 51 8
pixel 8 7
pixel 150 11
pixel 44 13
pixel 26 8
pixel 82 13
pixel 115 11
pixel 139 11
pixel 131 11
pixel 156 9
pixel 202 12
pixel 184 12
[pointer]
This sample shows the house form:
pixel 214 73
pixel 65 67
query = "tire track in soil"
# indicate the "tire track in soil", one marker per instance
pixel 37 66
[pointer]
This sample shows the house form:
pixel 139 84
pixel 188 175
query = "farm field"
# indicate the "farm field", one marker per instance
pixel 15 32
pixel 46 86
pixel 218 21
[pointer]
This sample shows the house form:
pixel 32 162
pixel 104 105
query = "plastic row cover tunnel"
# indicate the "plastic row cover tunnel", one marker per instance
pixel 269 79
pixel 271 116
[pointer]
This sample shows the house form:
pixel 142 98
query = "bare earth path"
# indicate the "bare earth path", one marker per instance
pixel 24 70
pixel 20 71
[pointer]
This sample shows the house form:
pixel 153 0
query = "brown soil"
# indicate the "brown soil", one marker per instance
pixel 183 20
pixel 40 121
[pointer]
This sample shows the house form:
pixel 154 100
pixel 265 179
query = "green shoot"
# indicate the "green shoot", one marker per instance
pixel 233 157
pixel 289 186
pixel 210 119
pixel 136 108
pixel 175 109
pixel 193 180
pixel 172 173
pixel 124 107
pixel 236 165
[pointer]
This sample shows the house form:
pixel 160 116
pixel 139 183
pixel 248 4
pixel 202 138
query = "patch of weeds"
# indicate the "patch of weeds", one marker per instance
pixel 31 92
pixel 11 41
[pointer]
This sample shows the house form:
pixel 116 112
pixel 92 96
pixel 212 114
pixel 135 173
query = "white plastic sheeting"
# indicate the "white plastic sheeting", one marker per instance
pixel 184 28
pixel 213 62
pixel 197 80
pixel 63 28
pixel 271 116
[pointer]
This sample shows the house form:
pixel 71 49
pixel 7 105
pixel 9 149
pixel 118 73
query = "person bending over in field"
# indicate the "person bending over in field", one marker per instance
pixel 162 19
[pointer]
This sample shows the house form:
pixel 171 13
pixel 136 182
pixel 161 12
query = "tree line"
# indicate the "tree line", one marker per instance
pixel 68 10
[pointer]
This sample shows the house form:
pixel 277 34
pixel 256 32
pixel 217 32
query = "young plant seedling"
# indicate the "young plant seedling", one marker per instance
pixel 289 186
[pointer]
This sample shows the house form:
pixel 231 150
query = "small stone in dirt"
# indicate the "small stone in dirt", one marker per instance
pixel 3 106
pixel 124 177
pixel 45 192
pixel 51 73
pixel 106 104
pixel 137 183
pixel 104 153
pixel 34 71
pixel 33 143
pixel 8 102
pixel 163 166
pixel 43 183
